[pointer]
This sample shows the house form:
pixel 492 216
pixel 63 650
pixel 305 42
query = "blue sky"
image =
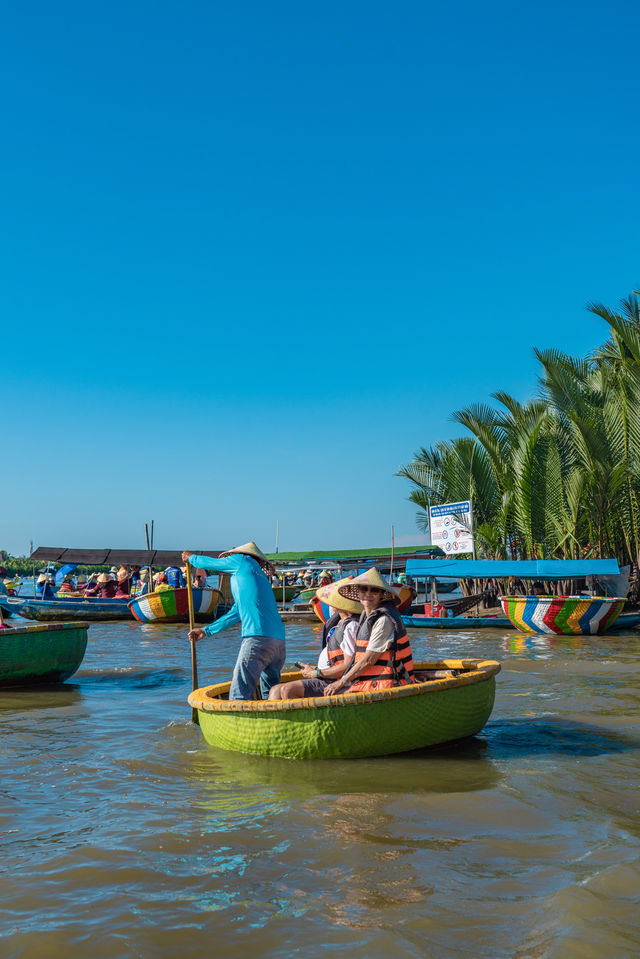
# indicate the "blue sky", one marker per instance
pixel 255 254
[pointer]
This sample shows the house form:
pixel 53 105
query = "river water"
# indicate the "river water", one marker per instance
pixel 123 834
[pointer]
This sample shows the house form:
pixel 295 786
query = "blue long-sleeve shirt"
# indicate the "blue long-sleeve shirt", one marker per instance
pixel 255 605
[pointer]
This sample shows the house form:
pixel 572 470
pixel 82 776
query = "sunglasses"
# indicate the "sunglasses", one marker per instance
pixel 369 589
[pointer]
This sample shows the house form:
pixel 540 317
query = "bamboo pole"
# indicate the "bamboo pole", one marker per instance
pixel 194 661
pixel 392 551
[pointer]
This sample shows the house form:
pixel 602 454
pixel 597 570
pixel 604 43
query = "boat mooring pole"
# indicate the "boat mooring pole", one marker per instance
pixel 392 545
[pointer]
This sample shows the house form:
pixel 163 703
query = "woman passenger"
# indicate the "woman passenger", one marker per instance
pixel 383 653
pixel 337 652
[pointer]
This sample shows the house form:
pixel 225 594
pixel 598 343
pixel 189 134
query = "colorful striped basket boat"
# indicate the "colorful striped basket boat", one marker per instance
pixel 354 725
pixel 172 606
pixel 563 615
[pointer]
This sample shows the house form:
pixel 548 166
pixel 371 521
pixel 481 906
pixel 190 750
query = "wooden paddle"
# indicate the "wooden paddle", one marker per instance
pixel 194 661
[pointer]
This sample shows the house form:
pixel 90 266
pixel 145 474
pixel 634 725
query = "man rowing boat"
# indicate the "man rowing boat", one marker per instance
pixel 262 653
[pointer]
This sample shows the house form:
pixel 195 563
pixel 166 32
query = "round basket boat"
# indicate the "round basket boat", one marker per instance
pixel 354 725
pixel 563 615
pixel 172 606
pixel 41 653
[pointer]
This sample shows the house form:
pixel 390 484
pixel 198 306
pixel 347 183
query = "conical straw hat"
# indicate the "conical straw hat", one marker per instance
pixel 250 549
pixel 330 595
pixel 371 578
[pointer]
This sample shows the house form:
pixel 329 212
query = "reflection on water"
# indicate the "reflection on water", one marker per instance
pixel 52 696
pixel 123 834
pixel 463 768
pixel 511 737
pixel 131 677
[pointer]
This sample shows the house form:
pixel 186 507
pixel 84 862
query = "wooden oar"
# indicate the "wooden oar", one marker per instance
pixel 194 662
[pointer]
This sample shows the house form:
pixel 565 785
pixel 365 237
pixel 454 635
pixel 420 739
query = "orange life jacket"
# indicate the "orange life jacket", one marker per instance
pixel 394 667
pixel 334 641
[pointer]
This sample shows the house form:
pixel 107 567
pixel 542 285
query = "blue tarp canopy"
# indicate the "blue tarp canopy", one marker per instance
pixel 502 568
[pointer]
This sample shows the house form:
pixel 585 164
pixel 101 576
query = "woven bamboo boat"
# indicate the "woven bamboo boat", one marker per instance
pixel 41 653
pixel 172 606
pixel 354 725
pixel 563 615
pixel 289 593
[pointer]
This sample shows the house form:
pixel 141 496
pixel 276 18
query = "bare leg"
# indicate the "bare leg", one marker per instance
pixel 292 690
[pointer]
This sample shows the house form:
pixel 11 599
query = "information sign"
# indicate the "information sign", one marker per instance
pixel 451 525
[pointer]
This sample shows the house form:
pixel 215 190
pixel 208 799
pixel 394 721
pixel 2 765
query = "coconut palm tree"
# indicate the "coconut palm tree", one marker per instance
pixel 559 475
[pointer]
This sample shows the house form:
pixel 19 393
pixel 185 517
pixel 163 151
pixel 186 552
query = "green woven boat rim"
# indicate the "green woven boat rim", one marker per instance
pixel 42 627
pixel 473 671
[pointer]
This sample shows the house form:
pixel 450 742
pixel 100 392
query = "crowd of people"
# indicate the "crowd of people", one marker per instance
pixel 305 579
pixel 119 583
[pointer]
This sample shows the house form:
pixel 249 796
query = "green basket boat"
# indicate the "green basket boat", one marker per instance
pixel 354 725
pixel 41 653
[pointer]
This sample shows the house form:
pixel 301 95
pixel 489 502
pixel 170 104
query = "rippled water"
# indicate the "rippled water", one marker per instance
pixel 123 834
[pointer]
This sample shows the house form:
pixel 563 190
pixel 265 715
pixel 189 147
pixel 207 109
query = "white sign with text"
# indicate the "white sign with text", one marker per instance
pixel 451 525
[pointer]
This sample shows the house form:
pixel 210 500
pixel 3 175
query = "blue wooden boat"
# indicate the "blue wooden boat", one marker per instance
pixel 457 622
pixel 63 610
pixel 623 622
pixel 41 653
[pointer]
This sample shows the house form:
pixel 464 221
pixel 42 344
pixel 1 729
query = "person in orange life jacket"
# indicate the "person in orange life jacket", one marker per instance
pixel 338 647
pixel 383 653
pixel 66 586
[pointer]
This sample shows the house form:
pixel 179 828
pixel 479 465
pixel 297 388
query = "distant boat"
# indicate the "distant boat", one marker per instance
pixel 41 654
pixel 457 622
pixel 623 622
pixel 289 593
pixel 64 610
pixel 172 605
pixel 563 615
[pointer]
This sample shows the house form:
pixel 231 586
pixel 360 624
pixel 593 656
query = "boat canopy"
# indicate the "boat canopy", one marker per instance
pixel 372 553
pixel 106 557
pixel 523 569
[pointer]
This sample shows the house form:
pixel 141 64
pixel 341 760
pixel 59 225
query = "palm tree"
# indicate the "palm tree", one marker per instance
pixel 558 476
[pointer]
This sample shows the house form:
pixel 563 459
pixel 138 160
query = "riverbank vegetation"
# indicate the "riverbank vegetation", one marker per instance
pixel 557 476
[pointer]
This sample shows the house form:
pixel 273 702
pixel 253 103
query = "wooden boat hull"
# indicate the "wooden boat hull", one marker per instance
pixel 353 725
pixel 41 654
pixel 306 595
pixel 172 606
pixel 289 593
pixel 563 615
pixel 457 622
pixel 64 610
pixel 624 621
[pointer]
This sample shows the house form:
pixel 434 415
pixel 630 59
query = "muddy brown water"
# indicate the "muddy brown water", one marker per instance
pixel 123 834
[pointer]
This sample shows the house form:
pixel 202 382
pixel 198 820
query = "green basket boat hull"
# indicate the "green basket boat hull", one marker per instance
pixel 358 730
pixel 41 653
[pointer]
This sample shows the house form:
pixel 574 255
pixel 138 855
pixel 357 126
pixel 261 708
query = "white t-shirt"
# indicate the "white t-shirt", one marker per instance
pixel 381 635
pixel 348 645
